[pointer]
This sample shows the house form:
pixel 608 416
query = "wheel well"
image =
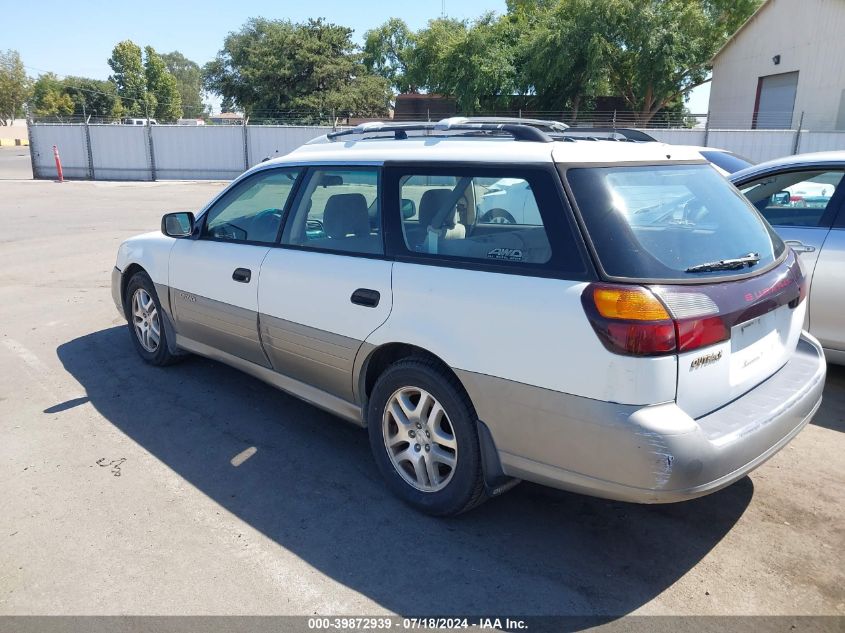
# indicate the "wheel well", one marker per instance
pixel 127 274
pixel 494 477
pixel 386 355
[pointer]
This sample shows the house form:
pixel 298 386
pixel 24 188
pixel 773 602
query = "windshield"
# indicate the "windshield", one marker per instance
pixel 666 221
pixel 726 160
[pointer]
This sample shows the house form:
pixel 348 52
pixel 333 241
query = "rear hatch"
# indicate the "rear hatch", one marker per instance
pixel 691 270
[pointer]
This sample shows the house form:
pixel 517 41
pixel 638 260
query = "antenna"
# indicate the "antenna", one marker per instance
pixel 442 8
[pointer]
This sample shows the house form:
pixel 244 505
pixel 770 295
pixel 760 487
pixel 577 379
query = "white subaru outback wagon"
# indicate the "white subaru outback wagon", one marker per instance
pixel 637 337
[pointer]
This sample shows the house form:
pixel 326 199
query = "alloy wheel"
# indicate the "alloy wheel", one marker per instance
pixel 145 320
pixel 419 439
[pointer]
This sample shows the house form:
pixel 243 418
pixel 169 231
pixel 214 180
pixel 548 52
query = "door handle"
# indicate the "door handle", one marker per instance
pixel 800 247
pixel 365 297
pixel 242 275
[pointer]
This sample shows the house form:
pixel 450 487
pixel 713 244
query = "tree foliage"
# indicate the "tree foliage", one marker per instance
pixel 144 84
pixel 275 66
pixel 650 53
pixel 129 79
pixel 52 96
pixel 659 50
pixel 467 60
pixel 188 77
pixel 14 86
pixel 388 52
pixel 162 85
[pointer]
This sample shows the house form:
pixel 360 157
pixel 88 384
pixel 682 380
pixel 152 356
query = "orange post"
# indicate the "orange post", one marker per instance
pixel 58 163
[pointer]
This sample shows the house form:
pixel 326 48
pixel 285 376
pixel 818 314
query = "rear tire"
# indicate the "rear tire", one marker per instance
pixel 145 319
pixel 422 429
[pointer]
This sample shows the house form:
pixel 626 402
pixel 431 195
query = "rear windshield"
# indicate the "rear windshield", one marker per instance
pixel 657 221
pixel 726 160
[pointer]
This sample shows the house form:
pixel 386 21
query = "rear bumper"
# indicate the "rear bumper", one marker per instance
pixel 658 454
pixel 116 279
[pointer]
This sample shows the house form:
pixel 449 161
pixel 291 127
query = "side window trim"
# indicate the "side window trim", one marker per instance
pixel 202 223
pixel 833 214
pixel 552 222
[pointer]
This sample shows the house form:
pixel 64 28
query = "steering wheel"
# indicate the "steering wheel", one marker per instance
pixel 497 216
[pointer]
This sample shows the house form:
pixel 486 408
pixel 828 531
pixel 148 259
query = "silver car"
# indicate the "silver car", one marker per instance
pixel 802 199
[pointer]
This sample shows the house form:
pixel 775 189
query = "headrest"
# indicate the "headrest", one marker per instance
pixel 431 202
pixel 346 214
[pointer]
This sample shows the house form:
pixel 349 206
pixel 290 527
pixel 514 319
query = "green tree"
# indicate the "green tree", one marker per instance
pixel 659 50
pixel 56 104
pixel 388 52
pixel 52 96
pixel 188 77
pixel 93 97
pixel 129 79
pixel 14 86
pixel 470 61
pixel 162 85
pixel 274 66
pixel 562 52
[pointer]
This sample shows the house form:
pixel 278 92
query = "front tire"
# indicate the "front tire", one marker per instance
pixel 145 319
pixel 422 429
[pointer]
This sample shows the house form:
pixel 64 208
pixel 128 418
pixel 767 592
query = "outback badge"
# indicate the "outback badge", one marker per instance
pixel 707 359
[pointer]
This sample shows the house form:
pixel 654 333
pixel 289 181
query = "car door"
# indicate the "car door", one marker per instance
pixel 827 301
pixel 328 285
pixel 801 205
pixel 214 277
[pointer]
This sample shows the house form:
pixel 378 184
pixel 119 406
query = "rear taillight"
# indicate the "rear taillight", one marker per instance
pixel 633 320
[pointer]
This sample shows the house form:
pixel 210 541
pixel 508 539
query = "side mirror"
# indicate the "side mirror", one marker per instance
pixel 179 224
pixel 781 198
pixel 409 209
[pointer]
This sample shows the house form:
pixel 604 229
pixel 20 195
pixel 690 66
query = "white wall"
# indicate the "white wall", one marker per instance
pixel 70 139
pixel 206 152
pixel 120 152
pixel 808 36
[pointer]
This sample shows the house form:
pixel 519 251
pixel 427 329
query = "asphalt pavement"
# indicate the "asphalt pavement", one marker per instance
pixel 195 489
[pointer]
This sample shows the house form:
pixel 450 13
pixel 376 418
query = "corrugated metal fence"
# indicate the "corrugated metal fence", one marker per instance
pixel 172 152
pixel 160 152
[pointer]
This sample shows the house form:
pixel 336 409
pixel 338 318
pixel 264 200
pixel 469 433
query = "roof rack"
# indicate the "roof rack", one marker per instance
pixel 606 134
pixel 535 130
pixel 519 129
pixel 552 126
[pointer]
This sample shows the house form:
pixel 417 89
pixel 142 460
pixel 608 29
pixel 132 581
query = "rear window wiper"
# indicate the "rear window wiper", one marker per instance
pixel 726 264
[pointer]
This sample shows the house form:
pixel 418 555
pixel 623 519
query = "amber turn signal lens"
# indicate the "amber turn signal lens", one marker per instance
pixel 634 304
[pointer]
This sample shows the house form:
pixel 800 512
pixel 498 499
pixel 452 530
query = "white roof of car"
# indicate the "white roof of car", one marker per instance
pixel 485 149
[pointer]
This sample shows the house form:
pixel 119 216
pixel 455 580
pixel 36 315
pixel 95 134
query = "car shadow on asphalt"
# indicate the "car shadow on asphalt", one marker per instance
pixel 306 480
pixel 831 414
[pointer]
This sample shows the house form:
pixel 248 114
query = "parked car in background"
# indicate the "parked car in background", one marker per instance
pixel 495 301
pixel 802 198
pixel 138 122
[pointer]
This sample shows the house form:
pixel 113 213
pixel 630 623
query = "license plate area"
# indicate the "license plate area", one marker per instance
pixel 759 345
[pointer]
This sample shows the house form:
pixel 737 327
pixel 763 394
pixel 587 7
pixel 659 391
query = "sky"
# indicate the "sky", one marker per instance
pixel 77 39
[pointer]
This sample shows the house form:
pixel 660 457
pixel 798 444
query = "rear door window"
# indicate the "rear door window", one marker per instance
pixel 487 217
pixel 796 198
pixel 665 221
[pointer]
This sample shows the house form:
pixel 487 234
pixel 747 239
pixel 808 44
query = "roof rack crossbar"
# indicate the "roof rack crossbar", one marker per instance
pixel 519 132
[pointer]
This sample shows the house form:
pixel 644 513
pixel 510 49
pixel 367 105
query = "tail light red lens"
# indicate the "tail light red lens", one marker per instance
pixel 695 333
pixel 631 320
pixel 640 339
